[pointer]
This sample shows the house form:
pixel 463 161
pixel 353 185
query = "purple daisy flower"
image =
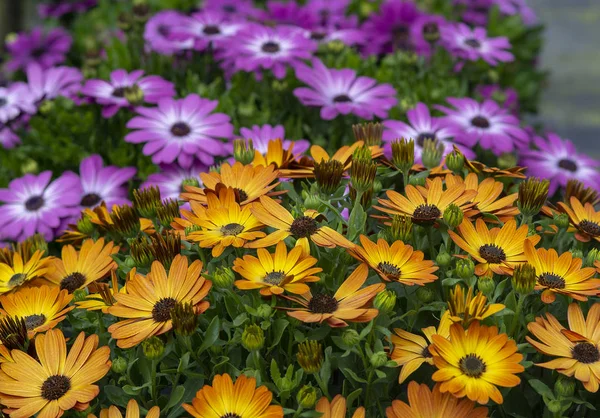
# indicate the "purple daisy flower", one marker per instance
pixel 261 135
pixel 342 91
pixel 421 126
pixel 508 97
pixel 171 178
pixel 8 139
pixel 488 124
pixel 258 47
pixel 389 29
pixel 46 49
pixel 557 160
pixel 181 130
pixel 99 183
pixel 158 33
pixel 328 9
pixel 241 8
pixel 208 28
pixel 60 8
pixel 425 33
pixel 341 29
pixel 475 12
pixel 473 44
pixel 15 99
pixel 53 82
pixel 34 204
pixel 517 7
pixel 290 13
pixel 126 89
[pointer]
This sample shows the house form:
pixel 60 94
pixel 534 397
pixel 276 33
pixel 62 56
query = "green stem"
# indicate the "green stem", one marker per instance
pixel 369 385
pixel 101 327
pixel 430 242
pixel 514 326
pixel 154 387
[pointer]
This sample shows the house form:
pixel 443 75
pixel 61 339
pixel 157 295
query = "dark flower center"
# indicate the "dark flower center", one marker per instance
pixel 426 214
pixel 55 387
pixel 480 122
pixel 90 199
pixel 180 129
pixel 424 136
pixel 304 227
pixel 274 277
pixel 72 282
pixel 401 36
pixel 3 101
pixel 211 30
pixel 389 269
pixel 425 353
pixel 231 415
pixel 473 43
pixel 317 36
pixel 232 229
pixel 590 227
pixel 38 52
pixel 164 30
pixel 568 165
pixel 270 47
pixel 342 98
pixel 162 309
pixel 472 365
pixel 34 321
pixel 240 195
pixel 17 279
pixel 321 303
pixel 585 352
pixel 492 253
pixel 229 8
pixel 431 32
pixel 34 203
pixel 552 281
pixel 119 92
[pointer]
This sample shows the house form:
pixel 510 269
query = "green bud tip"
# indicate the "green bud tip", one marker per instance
pixel 153 348
pixel 307 396
pixel 453 216
pixel 385 301
pixel 253 337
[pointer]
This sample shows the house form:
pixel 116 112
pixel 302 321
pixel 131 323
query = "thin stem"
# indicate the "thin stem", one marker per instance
pixel 514 326
pixel 154 387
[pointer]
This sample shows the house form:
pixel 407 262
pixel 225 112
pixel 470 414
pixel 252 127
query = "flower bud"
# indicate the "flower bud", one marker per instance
pixel 529 318
pixel 264 311
pixel 577 253
pixel 465 268
pixel 578 190
pixel 561 220
pixel 153 348
pixel 253 338
pixel 312 202
pixel 134 95
pixel 243 151
pixel 85 225
pixel 486 284
pixel 432 153
pixel 310 356
pixel 119 365
pixel 592 257
pixel 533 193
pixel 370 133
pixel 328 175
pixel 350 337
pixel 455 161
pixel 29 166
pixel 378 359
pixel 167 212
pixel 125 221
pixel 362 175
pixel 385 301
pixel 524 279
pixel 377 186
pixel 416 181
pixel 184 319
pixel 140 10
pixel 401 228
pixel 223 278
pixel 425 294
pixel 564 386
pixel 453 216
pixel 46 107
pixel 443 259
pixel 307 397
pixel 190 181
pixel 554 406
pixel 403 154
pixel 79 295
pixel 507 160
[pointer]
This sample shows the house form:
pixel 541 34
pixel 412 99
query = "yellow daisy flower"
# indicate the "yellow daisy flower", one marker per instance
pixel 466 308
pixel 585 221
pixel 276 155
pixel 132 411
pixel 15 274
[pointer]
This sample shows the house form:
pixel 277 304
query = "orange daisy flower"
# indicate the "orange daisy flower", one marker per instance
pixel 336 408
pixel 466 308
pixel 585 221
pixel 17 272
pixel 132 411
pixel 276 155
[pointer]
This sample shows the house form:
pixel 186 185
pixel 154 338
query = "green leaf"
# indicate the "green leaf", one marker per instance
pixel 115 395
pixel 541 388
pixel 275 373
pixel 356 221
pixel 279 327
pixel 354 376
pixel 211 335
pixel 190 387
pixel 176 396
pixel 354 395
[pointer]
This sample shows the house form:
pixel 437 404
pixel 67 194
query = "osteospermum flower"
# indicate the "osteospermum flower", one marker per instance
pixel 207 28
pixel 426 32
pixel 243 8
pixel 47 84
pixel 8 139
pixel 17 272
pixel 126 90
pixel 343 92
pixel 58 381
pixel 498 249
pixel 519 8
pixel 584 220
pixel 132 411
pixel 304 228
pixel 466 308
pixel 349 303
pixel 576 350
pixel 421 126
pixel 263 134
pixel 389 30
pixel 14 100
pixel 426 403
pixel 228 399
pixel 171 179
pixel 146 305
pixel 274 273
pixel 33 204
pixel 41 308
pixel 473 363
pixel 57 9
pixel 338 29
pixel 256 48
pixel 558 160
pixel 336 408
pixel 158 33
pixel 103 184
pixel 398 262
pixel 474 44
pixel 426 205
pixel 486 124
pixel 77 269
pixel 411 350
pixel 290 13
pixel 181 130
pixel 562 275
pixel 101 296
pixel 46 49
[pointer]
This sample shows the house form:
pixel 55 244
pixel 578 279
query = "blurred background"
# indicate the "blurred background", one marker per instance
pixel 571 103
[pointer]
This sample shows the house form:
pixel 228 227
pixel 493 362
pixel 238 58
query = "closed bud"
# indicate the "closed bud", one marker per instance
pixel 370 133
pixel 578 190
pixel 432 153
pixel 486 284
pixel 312 202
pixel 425 294
pixel 13 333
pixel 350 337
pixel 431 32
pixel 190 181
pixel 125 221
pixel 336 46
pixel 85 225
pixel 455 161
pixel 529 317
pixel 184 319
pixel 328 175
pixel 592 257
pixel 453 216
pixel 167 212
pixel 264 311
pixel 140 253
pixel 554 405
pixel 310 356
pixel 378 359
pixel 119 365
pixel 417 181
pixel 403 154
pixel 279 85
pixel 223 278
pixel 29 166
pixel 124 21
pixel 507 160
pixel 533 193
pixel 35 243
pixel 243 151
pixel 524 279
pixel 253 338
pixel 140 10
pixel 401 228
pixel 362 154
pixel 46 107
pixel 377 186
pixel 443 259
pixel 362 175
pixel 564 386
pixel 307 397
pixel 465 268
pixel 385 301
pixel 577 253
pixel 79 295
pixel 153 348
pixel 561 220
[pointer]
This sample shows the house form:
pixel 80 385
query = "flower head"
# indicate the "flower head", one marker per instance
pixel 47 84
pixel 57 9
pixel 426 32
pixel 15 100
pixel 208 28
pixel 337 408
pixel 474 44
pixel 19 271
pixel 158 33
pixel 584 219
pixel 466 308
pixel 261 135
pixel 172 178
pixel 46 49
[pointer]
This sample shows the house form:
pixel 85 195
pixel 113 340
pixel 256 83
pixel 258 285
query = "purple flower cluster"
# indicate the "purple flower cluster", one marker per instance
pixel 59 8
pixel 46 49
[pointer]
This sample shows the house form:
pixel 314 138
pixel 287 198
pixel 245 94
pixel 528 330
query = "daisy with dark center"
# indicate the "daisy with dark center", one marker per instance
pixel 397 263
pixel 290 14
pixel 248 182
pixel 426 32
pixel 222 223
pixel 425 205
pixel 261 135
pixel 584 220
pixel 46 49
pixel 57 9
pixel 146 305
pixel 558 160
pixel 56 382
pixel 77 269
pixel 343 92
pixel 497 250
pixel 349 303
pixel 336 408
pixel 42 308
pixel 132 411
pixel 158 33
pixel 465 308
pixel 18 272
pixel 562 275
pixel 474 44
pixel 303 228
pixel 47 84
pixel 172 178
pixel 126 90
pixel 486 124
pixel 277 155
pixel 340 29
pixel 421 126
pixel 576 350
pixel 426 403
pixel 256 48
pixel 411 350
pixel 226 399
pixel 208 28
pixel 181 130
pixel 100 296
pixel 15 99
pixel 473 363
pixel 278 272
pixel 234 8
